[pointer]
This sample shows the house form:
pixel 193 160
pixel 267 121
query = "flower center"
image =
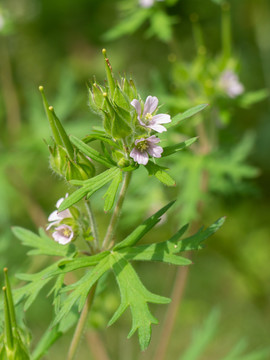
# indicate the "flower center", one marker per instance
pixel 142 146
pixel 66 232
pixel 148 118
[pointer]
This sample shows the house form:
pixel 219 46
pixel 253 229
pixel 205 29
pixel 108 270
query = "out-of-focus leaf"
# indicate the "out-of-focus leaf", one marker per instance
pixel 250 98
pixel 202 337
pixel 161 25
pixel 52 334
pixel 128 25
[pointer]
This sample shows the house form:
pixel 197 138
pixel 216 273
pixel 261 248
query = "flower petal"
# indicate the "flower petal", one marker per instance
pixel 157 128
pixel 161 119
pixel 59 234
pixel 138 156
pixel 155 150
pixel 137 105
pixel 52 224
pixel 64 214
pixel 54 216
pixel 150 105
pixel 153 139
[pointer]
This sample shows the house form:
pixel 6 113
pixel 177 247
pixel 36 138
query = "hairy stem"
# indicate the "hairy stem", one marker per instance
pixel 117 211
pixel 81 324
pixel 93 224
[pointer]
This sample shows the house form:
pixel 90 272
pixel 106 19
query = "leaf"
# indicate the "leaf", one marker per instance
pixel 160 173
pixel 169 150
pixel 161 26
pixel 250 98
pixel 89 187
pixel 129 25
pixel 81 289
pixel 36 283
pixel 202 337
pixel 52 334
pixel 68 265
pixel 134 294
pixel 142 229
pixel 104 138
pixel 112 191
pixel 92 153
pixel 193 242
pixel 187 114
pixel 43 244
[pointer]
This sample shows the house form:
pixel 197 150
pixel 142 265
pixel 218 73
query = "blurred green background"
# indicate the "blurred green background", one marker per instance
pixel 58 44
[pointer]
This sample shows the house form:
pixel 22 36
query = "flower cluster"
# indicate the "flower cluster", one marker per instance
pixel 229 82
pixel 63 233
pixel 150 121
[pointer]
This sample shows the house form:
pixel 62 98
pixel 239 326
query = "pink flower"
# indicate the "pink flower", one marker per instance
pixel 147 119
pixel 56 216
pixel 229 82
pixel 145 147
pixel 63 234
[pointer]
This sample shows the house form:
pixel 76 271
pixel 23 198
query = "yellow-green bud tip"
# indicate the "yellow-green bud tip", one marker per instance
pixel 104 52
pixel 5 269
pixel 51 108
pixel 40 88
pixel 4 288
pixel 104 94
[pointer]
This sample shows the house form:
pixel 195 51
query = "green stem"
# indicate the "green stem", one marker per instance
pixel 81 324
pixel 117 210
pixel 93 223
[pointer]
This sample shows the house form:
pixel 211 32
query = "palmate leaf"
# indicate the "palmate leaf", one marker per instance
pixel 132 291
pixel 35 283
pixel 42 244
pixel 134 294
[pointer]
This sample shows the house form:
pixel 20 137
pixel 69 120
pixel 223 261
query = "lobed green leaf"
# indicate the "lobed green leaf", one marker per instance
pixel 42 244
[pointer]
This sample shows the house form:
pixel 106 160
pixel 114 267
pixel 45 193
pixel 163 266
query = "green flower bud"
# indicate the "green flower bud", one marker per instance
pixel 58 159
pixel 96 98
pixel 122 163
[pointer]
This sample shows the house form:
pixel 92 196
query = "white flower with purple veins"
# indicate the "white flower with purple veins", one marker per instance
pixel 63 234
pixel 229 82
pixel 146 118
pixel 56 217
pixel 145 147
pixel 147 3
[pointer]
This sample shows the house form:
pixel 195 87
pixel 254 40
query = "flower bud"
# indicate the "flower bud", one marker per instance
pixel 58 159
pixel 96 98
